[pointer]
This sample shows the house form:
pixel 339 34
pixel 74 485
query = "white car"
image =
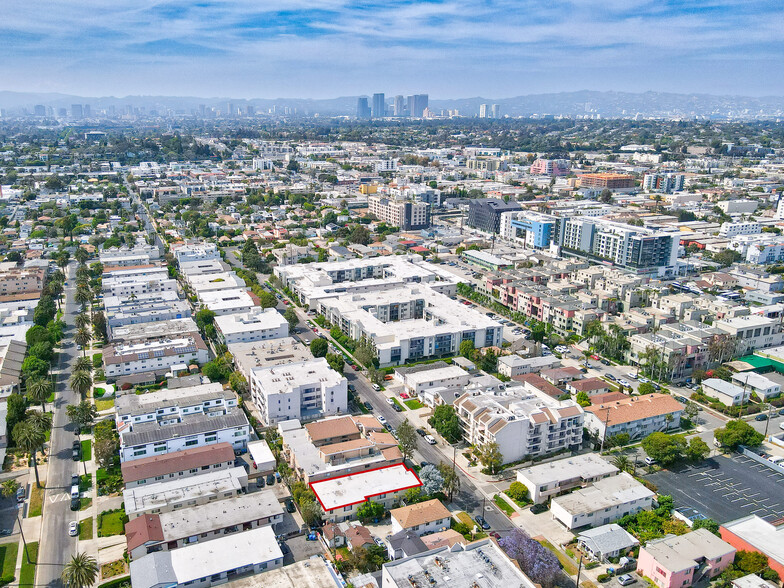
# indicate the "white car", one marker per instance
pixel 430 439
pixel 624 383
pixel 376 387
pixel 643 380
pixel 390 402
pixel 631 375
pixel 381 419
pixel 73 528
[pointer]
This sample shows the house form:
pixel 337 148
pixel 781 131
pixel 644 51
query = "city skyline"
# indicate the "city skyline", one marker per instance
pixel 445 48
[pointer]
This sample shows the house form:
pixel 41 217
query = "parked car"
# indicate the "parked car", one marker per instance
pixel 290 507
pixel 643 380
pixel 390 402
pixel 761 417
pixel 376 387
pixel 430 439
pixel 75 480
pixel 397 408
pixel 482 522
pixel 270 480
pixel 73 528
pixel 631 375
pixel 381 419
pixel 75 503
pixel 260 482
pixel 421 432
pixel 650 461
pixel 310 537
pixel 379 542
pixel 21 494
pixel 6 532
pixel 609 377
pixel 626 579
pixel 605 362
pixel 368 405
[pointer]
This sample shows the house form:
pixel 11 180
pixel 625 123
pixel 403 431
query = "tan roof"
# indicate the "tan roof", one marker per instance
pixel 369 423
pixel 334 448
pixel 392 453
pixel 420 514
pixel 446 538
pixel 607 397
pixel 380 438
pixel 159 465
pixel 540 383
pixel 635 408
pixel 589 384
pixel 329 428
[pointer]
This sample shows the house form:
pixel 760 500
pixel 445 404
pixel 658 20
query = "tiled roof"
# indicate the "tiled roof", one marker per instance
pixel 143 529
pixel 420 514
pixel 159 465
pixel 635 408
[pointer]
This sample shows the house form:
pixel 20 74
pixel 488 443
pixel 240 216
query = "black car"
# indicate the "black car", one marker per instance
pixel 75 503
pixel 290 505
pixel 482 522
pixel 421 432
pixel 271 480
pixel 396 407
pixel 761 417
pixel 605 362
pixel 260 482
pixel 368 406
pixel 75 480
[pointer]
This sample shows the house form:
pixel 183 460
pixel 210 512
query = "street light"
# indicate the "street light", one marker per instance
pixel 19 507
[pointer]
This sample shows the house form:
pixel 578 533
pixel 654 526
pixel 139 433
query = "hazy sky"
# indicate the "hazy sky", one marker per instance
pixel 448 48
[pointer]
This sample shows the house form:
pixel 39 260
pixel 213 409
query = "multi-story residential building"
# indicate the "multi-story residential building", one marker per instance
pixel 631 247
pixel 553 478
pixel 304 390
pixel 201 283
pixel 155 355
pixel 663 182
pixel 523 424
pixel 603 502
pixel 550 167
pixel 337 446
pixel 203 564
pixel 422 518
pixel 404 214
pixel 195 252
pixel 185 526
pixel 133 283
pixel 752 332
pixel 121 311
pixel 727 393
pixel 738 206
pixel 608 181
pixel 530 229
pixel 431 384
pixel 514 365
pixel 170 329
pixel 753 533
pixel 683 560
pixel 259 324
pixel 637 416
pixel 735 229
pixel 21 280
pixel 759 249
pixel 485 213
pixel 223 302
pixel 171 495
pixel 182 464
pixel 763 387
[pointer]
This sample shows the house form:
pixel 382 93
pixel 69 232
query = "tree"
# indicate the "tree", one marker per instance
pixel 451 478
pixel 80 572
pixel 709 524
pixel 68 223
pixel 364 353
pixel 45 311
pixel 738 432
pixel 750 562
pixel 336 362
pixel 82 338
pixel 83 296
pixel 82 415
pixel 536 561
pixel 38 390
pixel 238 382
pixel 517 491
pixel 105 451
pixel 621 461
pixel 467 348
pixel 81 255
pixel 359 235
pixel 34 368
pixel 491 457
pixel 204 318
pixel 268 300
pixel 445 421
pixel 84 364
pixel 99 325
pixel 319 347
pixel 82 320
pixel 583 399
pixel 38 334
pixel 697 449
pixel 29 437
pixel 291 318
pixel 431 479
pixel 43 351
pixel 407 439
pixel 370 511
pixel 310 510
pixel 17 408
pixel 646 388
pixel 9 488
pixel 665 449
pixel 81 381
pixel 691 410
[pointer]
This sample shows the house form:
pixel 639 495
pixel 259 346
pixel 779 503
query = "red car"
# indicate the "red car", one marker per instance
pixel 356 367
pixel 285 302
pixel 596 357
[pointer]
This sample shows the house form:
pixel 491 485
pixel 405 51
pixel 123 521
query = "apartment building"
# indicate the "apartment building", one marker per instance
pixel 550 167
pixel 144 308
pixel 752 332
pixel 523 424
pixel 202 283
pixel 735 229
pixel 405 214
pixel 304 390
pixel 763 387
pixel 260 324
pixel 485 213
pixel 195 252
pixel 515 365
pixel 605 501
pixel 182 464
pixel 422 518
pixel 608 181
pixel 430 385
pixel 668 183
pixel 727 393
pixel 135 282
pixel 155 355
pixel 529 229
pixel 171 329
pixel 637 416
pixel 550 479
pixel 231 301
pixel 21 280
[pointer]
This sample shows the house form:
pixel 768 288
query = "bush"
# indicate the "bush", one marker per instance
pixel 604 578
pixel 517 492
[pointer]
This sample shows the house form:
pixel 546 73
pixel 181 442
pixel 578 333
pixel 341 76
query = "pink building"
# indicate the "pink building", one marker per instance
pixel 680 561
pixel 550 167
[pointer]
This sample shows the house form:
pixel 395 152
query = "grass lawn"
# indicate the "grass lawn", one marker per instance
pixel 36 500
pixel 86 529
pixel 113 568
pixel 104 404
pixel 85 482
pixel 87 450
pixel 27 575
pixel 413 404
pixel 98 392
pixel 8 553
pixel 566 563
pixel 503 504
pixel 396 401
pixel 111 523
pixel 122 582
pixel 85 503
pixel 361 408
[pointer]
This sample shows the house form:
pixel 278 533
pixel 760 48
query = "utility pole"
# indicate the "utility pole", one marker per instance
pixel 579 570
pixel 19 507
pixel 604 436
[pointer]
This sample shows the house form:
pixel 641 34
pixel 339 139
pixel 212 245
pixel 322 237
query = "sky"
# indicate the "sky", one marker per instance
pixel 446 48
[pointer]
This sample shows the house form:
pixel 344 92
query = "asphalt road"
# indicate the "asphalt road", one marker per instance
pixel 56 547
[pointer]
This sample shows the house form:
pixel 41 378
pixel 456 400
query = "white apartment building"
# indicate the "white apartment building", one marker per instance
pixel 202 283
pixel 156 355
pixel 552 478
pixel 763 387
pixel 514 365
pixel 195 252
pixel 752 332
pixel 223 302
pixel 171 406
pixel 451 377
pixel 727 393
pixel 523 424
pixel 303 390
pixel 405 214
pixel 731 230
pixel 601 503
pixel 135 282
pixel 259 324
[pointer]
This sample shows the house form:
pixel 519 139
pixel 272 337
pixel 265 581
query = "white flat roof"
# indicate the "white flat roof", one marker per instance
pixel 260 452
pixel 759 533
pixel 605 493
pixel 580 466
pixel 355 488
pixel 256 319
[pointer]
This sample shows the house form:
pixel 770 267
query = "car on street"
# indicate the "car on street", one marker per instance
pixel 75 503
pixel 6 532
pixel 650 461
pixel 609 377
pixel 643 380
pixel 390 402
pixel 376 387
pixel 623 382
pixel 73 528
pixel 20 494
pixel 270 480
pixel 631 375
pixel 626 579
pixel 781 412
pixel 761 417
pixel 682 399
pixel 421 432
pixel 605 362
pixel 430 439
pixel 482 522
pixel 367 405
pixel 397 408
pixel 381 419
pixel 75 480
pixel 355 367
pixel 76 451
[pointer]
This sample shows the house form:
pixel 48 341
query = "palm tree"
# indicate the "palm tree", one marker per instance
pixel 30 437
pixel 80 572
pixel 9 488
pixel 81 255
pixel 38 390
pixel 82 320
pixel 83 364
pixel 56 290
pixel 83 337
pixel 621 462
pixel 81 381
pixel 83 296
pixel 62 260
pixel 57 276
pixel 82 274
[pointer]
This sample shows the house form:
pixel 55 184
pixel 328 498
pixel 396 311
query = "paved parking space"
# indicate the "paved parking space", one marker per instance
pixel 725 488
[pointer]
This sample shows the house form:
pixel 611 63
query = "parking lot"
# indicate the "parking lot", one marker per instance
pixel 725 488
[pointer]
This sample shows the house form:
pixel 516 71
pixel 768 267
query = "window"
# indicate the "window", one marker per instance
pixel 191 442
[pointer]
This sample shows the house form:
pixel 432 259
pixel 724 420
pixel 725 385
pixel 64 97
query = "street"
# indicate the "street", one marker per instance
pixel 56 547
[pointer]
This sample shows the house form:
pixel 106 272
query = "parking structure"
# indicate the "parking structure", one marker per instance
pixel 725 488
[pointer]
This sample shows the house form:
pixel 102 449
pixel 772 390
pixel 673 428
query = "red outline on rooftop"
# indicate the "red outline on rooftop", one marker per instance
pixel 311 484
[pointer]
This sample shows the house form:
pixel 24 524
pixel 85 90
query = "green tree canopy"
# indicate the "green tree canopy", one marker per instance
pixel 319 347
pixel 738 432
pixel 666 449
pixel 445 421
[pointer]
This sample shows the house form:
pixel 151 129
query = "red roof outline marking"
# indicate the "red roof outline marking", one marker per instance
pixel 366 497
